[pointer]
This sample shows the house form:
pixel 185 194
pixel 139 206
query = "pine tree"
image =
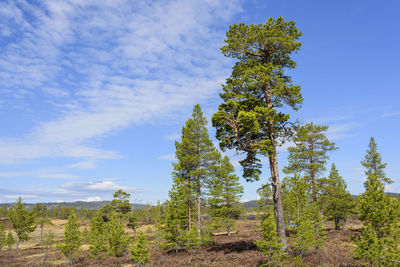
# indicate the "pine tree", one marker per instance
pixel 196 157
pixel 373 164
pixel 176 217
pixel 310 154
pixel 225 194
pixel 303 216
pixel 309 232
pixel 140 250
pixel 22 221
pixel 120 203
pixel 98 245
pixel 72 239
pixel 270 246
pixel 379 241
pixel 337 202
pixel 252 118
pixel 47 245
pixel 295 197
pixel 41 218
pixel 118 240
pixel 133 222
pixel 9 240
pixel 2 236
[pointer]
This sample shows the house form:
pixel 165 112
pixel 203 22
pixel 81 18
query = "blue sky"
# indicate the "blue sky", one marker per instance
pixel 94 93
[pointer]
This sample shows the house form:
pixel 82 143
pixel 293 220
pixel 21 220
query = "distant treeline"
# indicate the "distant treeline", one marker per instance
pixel 83 210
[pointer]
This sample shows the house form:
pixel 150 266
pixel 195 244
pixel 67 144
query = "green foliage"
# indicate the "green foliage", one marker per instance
pixel 190 239
pixel 295 197
pixel 373 164
pixel 98 245
pixel 2 236
pixel 270 246
pixel 380 237
pixel 10 241
pixel 309 232
pixel 379 241
pixel 309 154
pixel 336 201
pixel 72 239
pixel 248 119
pixel 196 160
pixel 225 194
pixel 48 243
pixel 120 203
pixel 118 240
pixel 3 211
pixel 140 250
pixel 133 222
pixel 22 221
pixel 176 218
pixel 85 235
pixel 304 216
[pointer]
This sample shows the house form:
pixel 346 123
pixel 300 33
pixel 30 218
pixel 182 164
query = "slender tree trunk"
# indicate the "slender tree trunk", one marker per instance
pixel 275 182
pixel 41 233
pixel 228 230
pixel 17 243
pixel 337 224
pixel 277 198
pixel 198 205
pixel 189 204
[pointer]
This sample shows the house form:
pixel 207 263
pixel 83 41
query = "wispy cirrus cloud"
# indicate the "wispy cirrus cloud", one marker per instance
pixel 102 66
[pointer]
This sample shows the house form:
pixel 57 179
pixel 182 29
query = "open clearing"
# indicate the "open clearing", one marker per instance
pixel 237 250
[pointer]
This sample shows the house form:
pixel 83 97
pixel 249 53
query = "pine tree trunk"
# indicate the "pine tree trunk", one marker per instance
pixel 41 233
pixel 337 224
pixel 276 185
pixel 277 198
pixel 198 206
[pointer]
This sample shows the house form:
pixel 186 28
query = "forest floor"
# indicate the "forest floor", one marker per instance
pixel 235 250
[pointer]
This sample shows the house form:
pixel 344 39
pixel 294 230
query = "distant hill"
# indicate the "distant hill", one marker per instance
pixel 250 204
pixel 254 203
pixel 93 205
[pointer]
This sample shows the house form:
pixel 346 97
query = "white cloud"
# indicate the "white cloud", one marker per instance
pixel 44 173
pixel 23 196
pixel 58 176
pixel 101 186
pixel 170 157
pixel 174 136
pixel 87 164
pixel 104 66
pixel 344 130
pixel 89 199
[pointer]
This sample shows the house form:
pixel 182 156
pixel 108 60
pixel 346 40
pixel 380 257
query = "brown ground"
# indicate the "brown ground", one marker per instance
pixel 230 251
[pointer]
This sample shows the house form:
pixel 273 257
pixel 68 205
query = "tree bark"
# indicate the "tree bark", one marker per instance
pixel 198 206
pixel 277 198
pixel 275 182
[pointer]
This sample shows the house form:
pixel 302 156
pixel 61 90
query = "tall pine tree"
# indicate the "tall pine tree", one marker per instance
pixel 379 242
pixel 309 154
pixel 196 158
pixel 374 167
pixel 256 97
